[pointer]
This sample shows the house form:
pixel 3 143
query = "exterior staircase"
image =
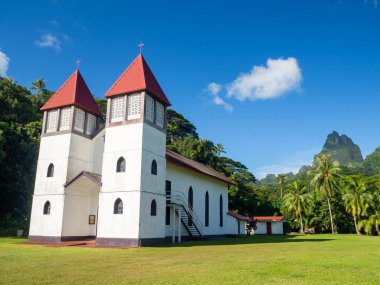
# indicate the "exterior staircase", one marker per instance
pixel 188 217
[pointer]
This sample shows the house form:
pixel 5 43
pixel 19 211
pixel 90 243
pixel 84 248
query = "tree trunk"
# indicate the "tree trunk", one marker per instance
pixel 356 226
pixel 301 224
pixel 377 229
pixel 331 217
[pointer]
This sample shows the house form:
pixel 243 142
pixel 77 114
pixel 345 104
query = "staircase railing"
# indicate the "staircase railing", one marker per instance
pixel 180 198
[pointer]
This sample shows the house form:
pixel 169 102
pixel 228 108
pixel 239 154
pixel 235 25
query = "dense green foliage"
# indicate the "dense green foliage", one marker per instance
pixel 371 163
pixel 20 128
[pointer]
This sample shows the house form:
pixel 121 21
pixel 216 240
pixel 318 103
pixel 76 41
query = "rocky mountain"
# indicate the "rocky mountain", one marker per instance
pixel 343 149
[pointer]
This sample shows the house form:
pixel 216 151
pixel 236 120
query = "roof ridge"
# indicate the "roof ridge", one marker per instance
pixel 57 92
pixel 121 76
pixel 76 84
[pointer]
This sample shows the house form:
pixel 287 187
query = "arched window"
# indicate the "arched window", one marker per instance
pixel 221 211
pixel 153 168
pixel 190 199
pixel 120 167
pixel 153 208
pixel 118 206
pixel 47 208
pixel 207 213
pixel 50 172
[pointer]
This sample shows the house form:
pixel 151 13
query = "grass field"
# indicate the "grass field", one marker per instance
pixel 317 259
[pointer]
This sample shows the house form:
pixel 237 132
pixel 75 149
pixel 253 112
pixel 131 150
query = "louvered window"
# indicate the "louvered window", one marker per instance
pixel 117 109
pixel 64 121
pixel 160 115
pixel 134 106
pixel 149 108
pixel 79 120
pixel 51 124
pixel 91 124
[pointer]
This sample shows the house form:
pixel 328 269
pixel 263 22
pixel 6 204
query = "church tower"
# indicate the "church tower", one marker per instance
pixel 70 122
pixel 132 199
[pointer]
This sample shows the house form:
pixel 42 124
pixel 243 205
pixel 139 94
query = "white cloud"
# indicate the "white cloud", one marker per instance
pixel 49 40
pixel 220 102
pixel 4 64
pixel 214 88
pixel 266 82
pixel 291 163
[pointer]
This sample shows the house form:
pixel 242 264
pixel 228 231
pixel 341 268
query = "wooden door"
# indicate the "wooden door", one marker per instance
pixel 269 228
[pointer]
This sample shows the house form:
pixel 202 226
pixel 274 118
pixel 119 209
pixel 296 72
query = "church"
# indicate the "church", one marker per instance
pixel 109 177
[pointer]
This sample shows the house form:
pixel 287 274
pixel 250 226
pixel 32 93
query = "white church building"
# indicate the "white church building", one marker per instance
pixel 118 183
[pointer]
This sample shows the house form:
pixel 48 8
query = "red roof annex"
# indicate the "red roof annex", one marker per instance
pixel 73 92
pixel 137 77
pixel 269 218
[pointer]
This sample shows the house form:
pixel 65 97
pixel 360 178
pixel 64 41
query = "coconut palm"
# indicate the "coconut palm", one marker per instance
pixel 356 199
pixel 39 85
pixel 325 179
pixel 373 220
pixel 297 200
pixel 281 179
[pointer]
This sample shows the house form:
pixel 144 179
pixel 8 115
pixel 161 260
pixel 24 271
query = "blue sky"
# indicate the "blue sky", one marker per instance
pixel 284 73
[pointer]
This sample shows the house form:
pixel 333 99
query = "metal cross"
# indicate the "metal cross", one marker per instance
pixel 78 63
pixel 141 47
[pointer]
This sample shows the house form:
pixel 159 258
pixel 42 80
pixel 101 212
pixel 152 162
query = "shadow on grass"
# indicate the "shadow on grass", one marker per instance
pixel 249 240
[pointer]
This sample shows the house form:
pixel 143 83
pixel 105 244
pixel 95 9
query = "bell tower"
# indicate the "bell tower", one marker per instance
pixel 132 199
pixel 70 121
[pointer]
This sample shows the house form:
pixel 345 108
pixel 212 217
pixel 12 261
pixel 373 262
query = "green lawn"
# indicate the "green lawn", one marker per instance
pixel 317 259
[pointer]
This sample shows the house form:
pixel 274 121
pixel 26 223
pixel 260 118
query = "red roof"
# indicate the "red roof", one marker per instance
pixel 73 92
pixel 137 77
pixel 180 160
pixel 238 216
pixel 269 218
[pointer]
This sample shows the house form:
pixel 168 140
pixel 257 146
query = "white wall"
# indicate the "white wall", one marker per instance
pixel 124 225
pixel 277 228
pixel 153 186
pixel 70 154
pixel 46 225
pixel 139 144
pixel 81 200
pixel 181 180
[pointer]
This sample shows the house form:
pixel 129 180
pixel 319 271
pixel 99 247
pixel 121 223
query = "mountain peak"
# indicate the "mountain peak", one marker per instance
pixel 342 149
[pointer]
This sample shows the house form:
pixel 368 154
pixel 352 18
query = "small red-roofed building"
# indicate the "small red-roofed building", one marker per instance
pixel 269 225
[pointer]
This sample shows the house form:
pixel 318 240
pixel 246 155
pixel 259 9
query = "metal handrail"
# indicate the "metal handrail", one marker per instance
pixel 180 198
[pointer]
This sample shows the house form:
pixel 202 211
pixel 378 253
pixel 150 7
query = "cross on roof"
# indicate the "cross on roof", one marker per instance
pixel 78 63
pixel 141 46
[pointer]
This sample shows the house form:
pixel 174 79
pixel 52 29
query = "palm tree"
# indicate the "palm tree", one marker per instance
pixel 39 85
pixel 356 200
pixel 219 149
pixel 297 200
pixel 325 179
pixel 281 179
pixel 373 220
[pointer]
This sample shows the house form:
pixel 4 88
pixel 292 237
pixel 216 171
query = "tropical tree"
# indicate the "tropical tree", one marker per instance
pixel 356 199
pixel 281 179
pixel 325 175
pixel 42 94
pixel 373 220
pixel 298 201
pixel 39 86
